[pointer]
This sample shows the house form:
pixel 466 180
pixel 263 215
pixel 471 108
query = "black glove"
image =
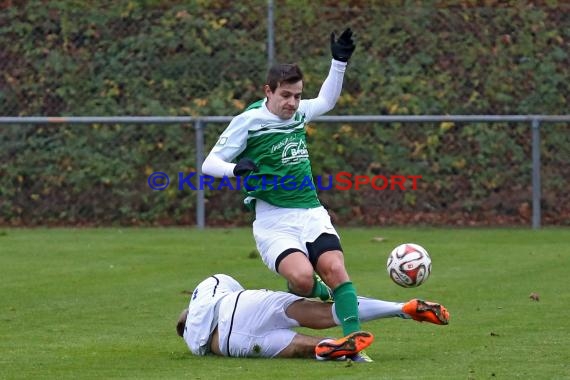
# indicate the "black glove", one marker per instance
pixel 244 166
pixel 343 47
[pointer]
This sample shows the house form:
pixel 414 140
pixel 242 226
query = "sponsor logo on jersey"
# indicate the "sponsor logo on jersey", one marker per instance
pixel 294 152
pixel 280 144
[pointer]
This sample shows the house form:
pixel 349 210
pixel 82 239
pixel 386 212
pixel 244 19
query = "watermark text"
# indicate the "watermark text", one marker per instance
pixel 342 181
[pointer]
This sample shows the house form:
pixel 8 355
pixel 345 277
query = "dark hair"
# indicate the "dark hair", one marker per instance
pixel 181 324
pixel 283 72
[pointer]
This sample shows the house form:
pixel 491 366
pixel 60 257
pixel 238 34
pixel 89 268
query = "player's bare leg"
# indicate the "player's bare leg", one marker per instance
pixel 302 346
pixel 330 267
pixel 311 314
pixel 298 271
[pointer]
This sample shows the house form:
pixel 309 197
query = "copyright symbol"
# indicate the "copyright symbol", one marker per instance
pixel 158 181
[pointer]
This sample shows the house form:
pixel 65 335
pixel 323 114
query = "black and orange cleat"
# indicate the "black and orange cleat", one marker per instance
pixel 349 345
pixel 424 311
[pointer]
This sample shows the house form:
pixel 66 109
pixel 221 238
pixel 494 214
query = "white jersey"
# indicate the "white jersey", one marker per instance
pixel 251 323
pixel 202 312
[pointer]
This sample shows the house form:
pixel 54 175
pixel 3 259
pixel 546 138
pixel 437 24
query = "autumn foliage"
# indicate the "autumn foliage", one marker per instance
pixel 198 58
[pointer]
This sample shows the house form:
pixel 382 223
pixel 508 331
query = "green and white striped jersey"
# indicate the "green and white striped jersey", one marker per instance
pixel 279 147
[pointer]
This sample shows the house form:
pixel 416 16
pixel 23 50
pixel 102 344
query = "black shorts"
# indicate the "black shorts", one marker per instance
pixel 324 243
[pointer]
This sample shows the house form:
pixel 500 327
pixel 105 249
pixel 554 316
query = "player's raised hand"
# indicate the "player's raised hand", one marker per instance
pixel 244 166
pixel 342 48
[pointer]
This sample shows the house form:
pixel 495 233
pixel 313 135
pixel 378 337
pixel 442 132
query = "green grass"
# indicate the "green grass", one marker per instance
pixel 102 303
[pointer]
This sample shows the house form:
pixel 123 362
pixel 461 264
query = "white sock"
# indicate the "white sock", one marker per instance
pixel 369 309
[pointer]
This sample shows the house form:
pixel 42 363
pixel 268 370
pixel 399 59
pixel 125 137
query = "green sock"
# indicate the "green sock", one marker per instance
pixel 346 306
pixel 320 289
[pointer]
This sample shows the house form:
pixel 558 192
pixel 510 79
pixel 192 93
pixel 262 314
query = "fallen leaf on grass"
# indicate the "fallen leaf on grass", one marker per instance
pixel 534 296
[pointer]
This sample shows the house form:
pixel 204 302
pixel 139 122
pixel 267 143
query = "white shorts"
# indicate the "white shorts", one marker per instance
pixel 277 229
pixel 253 323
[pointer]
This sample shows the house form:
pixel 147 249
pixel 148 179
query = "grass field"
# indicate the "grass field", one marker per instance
pixel 102 303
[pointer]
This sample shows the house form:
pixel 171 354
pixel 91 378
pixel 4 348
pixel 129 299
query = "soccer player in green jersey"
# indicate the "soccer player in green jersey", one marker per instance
pixel 292 230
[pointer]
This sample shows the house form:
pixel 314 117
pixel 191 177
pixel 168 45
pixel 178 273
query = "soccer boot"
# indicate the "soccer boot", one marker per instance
pixel 424 311
pixel 361 357
pixel 349 345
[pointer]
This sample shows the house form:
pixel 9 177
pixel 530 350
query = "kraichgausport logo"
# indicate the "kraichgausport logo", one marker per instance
pixel 342 181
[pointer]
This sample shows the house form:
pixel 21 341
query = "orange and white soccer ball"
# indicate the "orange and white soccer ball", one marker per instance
pixel 409 265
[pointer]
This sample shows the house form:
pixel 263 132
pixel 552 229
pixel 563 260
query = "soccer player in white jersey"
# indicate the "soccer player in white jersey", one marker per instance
pixel 292 230
pixel 225 319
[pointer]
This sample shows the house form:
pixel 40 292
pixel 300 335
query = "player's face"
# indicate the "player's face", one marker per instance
pixel 285 100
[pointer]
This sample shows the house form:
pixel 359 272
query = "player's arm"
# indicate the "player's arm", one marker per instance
pixel 230 144
pixel 329 93
pixel 215 165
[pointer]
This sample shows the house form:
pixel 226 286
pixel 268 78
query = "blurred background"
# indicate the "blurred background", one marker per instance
pixel 209 58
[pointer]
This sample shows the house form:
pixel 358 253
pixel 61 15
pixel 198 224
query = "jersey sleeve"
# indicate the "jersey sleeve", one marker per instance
pixel 233 140
pixel 328 95
pixel 217 167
